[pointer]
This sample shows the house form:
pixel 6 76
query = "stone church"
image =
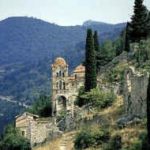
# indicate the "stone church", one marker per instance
pixel 65 87
pixel 64 91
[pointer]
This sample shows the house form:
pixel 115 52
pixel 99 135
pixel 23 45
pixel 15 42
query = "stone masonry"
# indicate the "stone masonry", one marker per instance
pixel 65 87
pixel 135 92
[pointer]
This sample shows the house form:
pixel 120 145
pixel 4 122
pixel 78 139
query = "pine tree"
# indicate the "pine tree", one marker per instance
pixel 97 49
pixel 90 63
pixel 139 22
pixel 148 111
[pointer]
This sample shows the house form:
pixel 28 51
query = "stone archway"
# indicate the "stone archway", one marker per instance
pixel 61 103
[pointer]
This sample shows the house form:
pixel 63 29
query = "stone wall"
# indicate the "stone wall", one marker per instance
pixel 135 92
pixel 36 129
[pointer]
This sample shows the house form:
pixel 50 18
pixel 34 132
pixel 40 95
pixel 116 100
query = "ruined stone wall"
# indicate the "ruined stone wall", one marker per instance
pixel 135 92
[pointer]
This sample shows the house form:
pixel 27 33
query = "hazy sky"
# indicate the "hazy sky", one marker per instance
pixel 70 12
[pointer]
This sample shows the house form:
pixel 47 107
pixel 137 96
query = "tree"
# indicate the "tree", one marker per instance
pixel 42 106
pixel 13 140
pixel 90 63
pixel 148 111
pixel 97 49
pixel 96 42
pixel 127 38
pixel 148 24
pixel 139 22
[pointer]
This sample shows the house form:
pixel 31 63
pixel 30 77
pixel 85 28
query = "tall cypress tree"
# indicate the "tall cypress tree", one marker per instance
pixel 90 63
pixel 127 38
pixel 96 42
pixel 97 49
pixel 139 21
pixel 148 111
pixel 148 24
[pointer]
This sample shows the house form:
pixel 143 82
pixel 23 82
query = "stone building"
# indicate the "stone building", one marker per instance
pixel 36 129
pixel 65 87
pixel 64 92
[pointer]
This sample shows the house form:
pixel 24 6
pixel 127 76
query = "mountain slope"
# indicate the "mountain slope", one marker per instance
pixel 27 48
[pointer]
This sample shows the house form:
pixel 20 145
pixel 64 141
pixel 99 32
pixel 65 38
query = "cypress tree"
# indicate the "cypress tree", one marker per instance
pixel 139 22
pixel 97 49
pixel 148 24
pixel 127 38
pixel 148 111
pixel 96 42
pixel 90 62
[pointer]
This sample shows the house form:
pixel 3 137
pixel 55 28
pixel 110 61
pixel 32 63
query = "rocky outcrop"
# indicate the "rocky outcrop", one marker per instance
pixel 135 92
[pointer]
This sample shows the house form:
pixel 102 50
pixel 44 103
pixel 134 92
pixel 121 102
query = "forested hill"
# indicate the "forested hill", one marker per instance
pixel 25 39
pixel 29 45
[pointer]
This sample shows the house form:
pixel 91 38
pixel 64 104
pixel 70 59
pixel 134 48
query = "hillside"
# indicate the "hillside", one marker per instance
pixel 27 48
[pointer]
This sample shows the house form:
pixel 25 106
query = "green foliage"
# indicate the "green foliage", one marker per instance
pixel 90 63
pixel 42 106
pixel 61 115
pixel 81 98
pixel 127 37
pixel 142 55
pixel 12 140
pixel 148 111
pixel 96 42
pixel 148 24
pixel 96 97
pixel 139 21
pixel 91 137
pixel 115 74
pixel 97 49
pixel 118 45
pixel 115 143
pixel 109 50
pixel 141 143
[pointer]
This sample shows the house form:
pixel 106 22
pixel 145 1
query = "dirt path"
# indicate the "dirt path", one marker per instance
pixel 63 143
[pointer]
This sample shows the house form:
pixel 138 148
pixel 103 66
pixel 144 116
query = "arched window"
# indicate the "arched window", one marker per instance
pixel 63 74
pixel 60 73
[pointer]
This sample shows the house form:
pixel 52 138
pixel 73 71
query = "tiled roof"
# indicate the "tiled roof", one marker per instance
pixel 79 69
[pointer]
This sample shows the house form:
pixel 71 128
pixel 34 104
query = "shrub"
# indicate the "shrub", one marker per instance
pixel 115 143
pixel 96 97
pixel 12 140
pixel 91 137
pixel 137 145
pixel 42 107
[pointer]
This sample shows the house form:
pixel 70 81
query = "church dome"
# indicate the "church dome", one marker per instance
pixel 59 61
pixel 79 69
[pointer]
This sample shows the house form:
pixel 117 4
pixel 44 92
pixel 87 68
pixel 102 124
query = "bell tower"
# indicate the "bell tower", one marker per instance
pixel 59 82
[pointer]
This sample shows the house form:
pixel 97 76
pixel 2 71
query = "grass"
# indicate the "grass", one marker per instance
pixel 129 134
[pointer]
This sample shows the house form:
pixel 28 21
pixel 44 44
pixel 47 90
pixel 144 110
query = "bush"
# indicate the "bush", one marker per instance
pixel 96 97
pixel 12 140
pixel 137 145
pixel 42 107
pixel 141 143
pixel 115 143
pixel 91 137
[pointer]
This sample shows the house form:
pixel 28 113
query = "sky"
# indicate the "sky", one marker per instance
pixel 70 12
